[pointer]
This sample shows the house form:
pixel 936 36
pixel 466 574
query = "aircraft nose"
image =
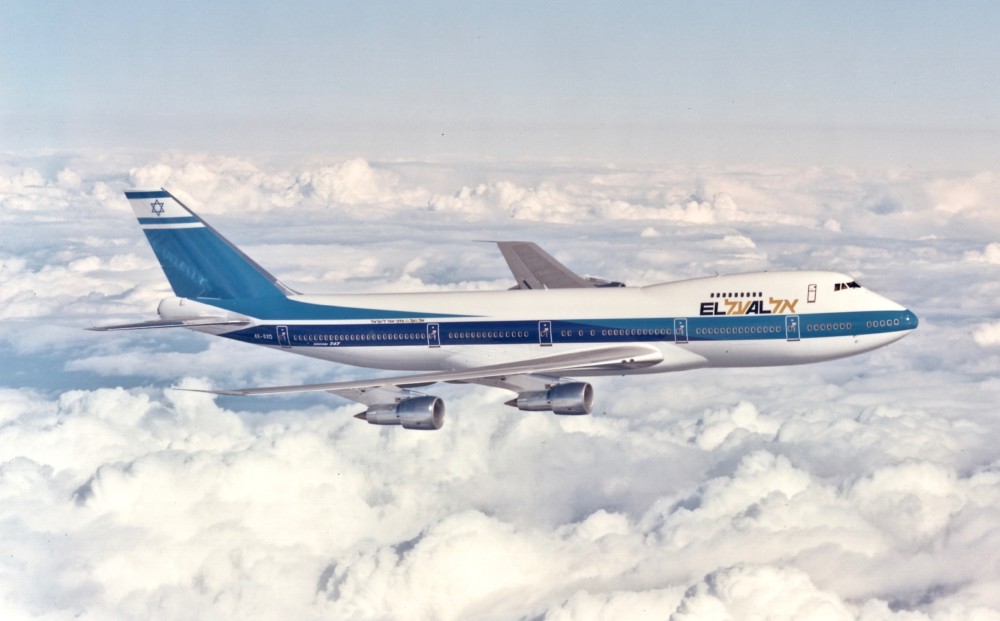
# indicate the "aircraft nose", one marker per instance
pixel 910 320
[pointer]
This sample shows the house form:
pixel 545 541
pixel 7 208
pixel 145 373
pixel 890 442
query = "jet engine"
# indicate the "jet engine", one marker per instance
pixel 414 413
pixel 571 398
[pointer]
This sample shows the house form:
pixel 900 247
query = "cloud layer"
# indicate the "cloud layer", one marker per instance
pixel 861 489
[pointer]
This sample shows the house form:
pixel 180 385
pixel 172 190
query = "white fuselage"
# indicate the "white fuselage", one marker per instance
pixel 757 319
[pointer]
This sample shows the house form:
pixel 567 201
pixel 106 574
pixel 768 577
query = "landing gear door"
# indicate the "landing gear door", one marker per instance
pixel 433 335
pixel 792 327
pixel 680 330
pixel 545 333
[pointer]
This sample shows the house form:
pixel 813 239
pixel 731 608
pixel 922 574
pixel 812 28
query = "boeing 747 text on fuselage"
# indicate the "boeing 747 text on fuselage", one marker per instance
pixel 528 340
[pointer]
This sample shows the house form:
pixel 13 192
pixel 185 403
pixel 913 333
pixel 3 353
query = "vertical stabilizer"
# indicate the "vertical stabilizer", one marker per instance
pixel 197 260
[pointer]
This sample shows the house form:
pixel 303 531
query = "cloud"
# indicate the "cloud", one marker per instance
pixel 647 604
pixel 987 335
pixel 546 202
pixel 49 289
pixel 990 254
pixel 743 592
pixel 649 232
pixel 858 489
pixel 715 428
pixel 356 182
pixel 954 195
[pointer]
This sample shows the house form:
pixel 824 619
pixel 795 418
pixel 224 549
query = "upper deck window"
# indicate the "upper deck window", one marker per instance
pixel 740 294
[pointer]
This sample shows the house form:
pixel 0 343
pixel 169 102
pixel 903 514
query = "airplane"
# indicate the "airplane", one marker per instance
pixel 534 340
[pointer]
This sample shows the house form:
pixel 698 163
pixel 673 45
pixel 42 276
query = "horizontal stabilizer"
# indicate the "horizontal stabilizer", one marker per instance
pixel 172 323
pixel 617 357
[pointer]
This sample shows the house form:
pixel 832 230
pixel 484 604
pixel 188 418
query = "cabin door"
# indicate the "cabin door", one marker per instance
pixel 545 333
pixel 680 330
pixel 792 327
pixel 283 336
pixel 433 335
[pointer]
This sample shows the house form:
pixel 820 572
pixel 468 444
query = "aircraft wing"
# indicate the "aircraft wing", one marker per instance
pixel 533 268
pixel 377 395
pixel 613 357
pixel 518 383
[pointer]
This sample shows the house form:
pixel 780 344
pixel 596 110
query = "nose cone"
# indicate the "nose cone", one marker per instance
pixel 909 320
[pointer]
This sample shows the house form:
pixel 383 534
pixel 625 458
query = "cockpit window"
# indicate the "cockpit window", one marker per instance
pixel 840 286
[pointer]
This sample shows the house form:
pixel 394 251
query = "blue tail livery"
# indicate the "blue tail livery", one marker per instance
pixel 197 260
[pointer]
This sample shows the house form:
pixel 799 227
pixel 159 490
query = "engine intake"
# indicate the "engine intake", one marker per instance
pixel 416 413
pixel 571 398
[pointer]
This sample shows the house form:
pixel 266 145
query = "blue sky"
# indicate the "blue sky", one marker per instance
pixel 869 84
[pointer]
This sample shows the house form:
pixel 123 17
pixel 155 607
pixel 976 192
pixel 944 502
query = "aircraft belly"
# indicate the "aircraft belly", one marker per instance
pixel 422 358
pixel 409 358
pixel 868 342
pixel 676 356
pixel 452 357
pixel 783 352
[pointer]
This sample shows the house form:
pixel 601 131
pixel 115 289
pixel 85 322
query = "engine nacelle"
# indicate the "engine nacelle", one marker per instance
pixel 415 413
pixel 571 398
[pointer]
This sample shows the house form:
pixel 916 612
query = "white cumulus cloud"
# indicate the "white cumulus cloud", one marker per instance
pixel 858 489
pixel 987 335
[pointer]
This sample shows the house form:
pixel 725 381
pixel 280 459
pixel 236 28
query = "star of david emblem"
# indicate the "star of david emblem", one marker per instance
pixel 157 207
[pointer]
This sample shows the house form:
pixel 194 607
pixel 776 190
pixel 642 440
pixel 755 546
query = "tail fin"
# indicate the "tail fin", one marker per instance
pixel 197 260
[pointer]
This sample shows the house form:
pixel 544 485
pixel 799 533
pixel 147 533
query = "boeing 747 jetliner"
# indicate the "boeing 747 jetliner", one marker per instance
pixel 528 340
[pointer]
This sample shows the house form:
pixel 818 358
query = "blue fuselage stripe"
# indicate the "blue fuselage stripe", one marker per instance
pixel 583 331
